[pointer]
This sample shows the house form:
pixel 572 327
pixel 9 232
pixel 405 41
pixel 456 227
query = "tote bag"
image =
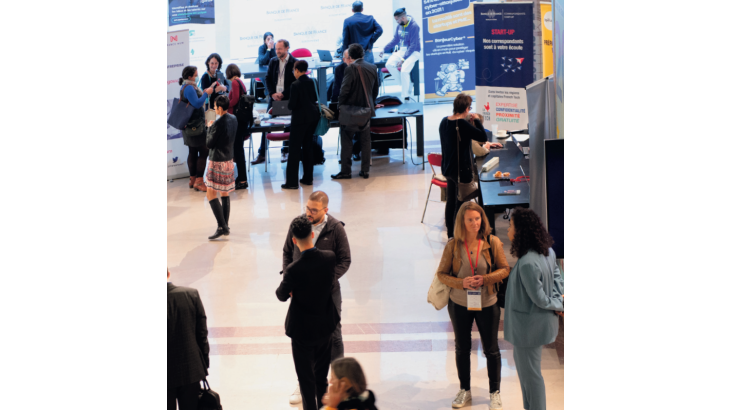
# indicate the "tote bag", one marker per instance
pixel 180 113
pixel 323 125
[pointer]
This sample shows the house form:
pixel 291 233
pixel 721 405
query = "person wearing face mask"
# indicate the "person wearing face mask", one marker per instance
pixel 471 265
pixel 348 387
pixel 214 77
pixel 194 132
pixel 220 139
pixel 266 50
pixel 408 40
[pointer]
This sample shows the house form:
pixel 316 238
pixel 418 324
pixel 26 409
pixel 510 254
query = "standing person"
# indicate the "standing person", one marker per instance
pixel 348 387
pixel 187 346
pixel 233 74
pixel 304 118
pixel 470 129
pixel 266 50
pixel 339 75
pixel 312 316
pixel 361 29
pixel 279 78
pixel 353 94
pixel 408 39
pixel 329 235
pixel 214 77
pixel 194 132
pixel 220 139
pixel 474 260
pixel 532 301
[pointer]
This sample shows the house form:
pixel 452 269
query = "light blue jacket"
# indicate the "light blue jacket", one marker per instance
pixel 533 294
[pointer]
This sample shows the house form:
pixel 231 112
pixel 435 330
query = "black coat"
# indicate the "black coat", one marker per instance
pixel 312 315
pixel 221 136
pixel 272 76
pixel 449 161
pixel 303 101
pixel 352 92
pixel 339 75
pixel 187 337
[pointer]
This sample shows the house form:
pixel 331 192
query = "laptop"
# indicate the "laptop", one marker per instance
pixel 280 108
pixel 324 55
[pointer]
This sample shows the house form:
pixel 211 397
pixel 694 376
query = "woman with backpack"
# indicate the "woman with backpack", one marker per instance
pixel 472 265
pixel 194 132
pixel 533 301
pixel 238 90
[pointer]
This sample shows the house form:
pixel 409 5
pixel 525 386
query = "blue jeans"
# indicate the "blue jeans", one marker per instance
pixel 369 57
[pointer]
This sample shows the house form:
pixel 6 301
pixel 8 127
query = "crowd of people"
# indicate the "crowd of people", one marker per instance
pixel 316 252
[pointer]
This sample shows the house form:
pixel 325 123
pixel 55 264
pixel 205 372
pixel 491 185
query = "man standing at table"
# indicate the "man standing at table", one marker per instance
pixel 352 96
pixel 408 40
pixel 312 317
pixel 339 76
pixel 329 235
pixel 278 81
pixel 361 29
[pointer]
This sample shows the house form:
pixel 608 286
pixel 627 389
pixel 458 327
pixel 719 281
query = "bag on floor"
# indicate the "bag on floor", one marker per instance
pixel 208 399
pixel 317 151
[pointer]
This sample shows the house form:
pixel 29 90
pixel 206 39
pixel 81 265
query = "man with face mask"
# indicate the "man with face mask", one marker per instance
pixel 407 39
pixel 329 235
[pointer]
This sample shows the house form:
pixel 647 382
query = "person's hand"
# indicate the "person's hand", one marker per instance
pixel 379 105
pixel 209 90
pixel 220 88
pixel 478 281
pixel 270 44
pixel 495 145
pixel 468 282
pixel 210 123
pixel 561 314
pixel 474 116
pixel 335 394
pixel 381 54
pixel 290 294
pixel 400 63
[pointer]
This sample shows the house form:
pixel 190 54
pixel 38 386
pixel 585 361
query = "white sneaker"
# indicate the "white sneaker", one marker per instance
pixel 295 397
pixel 461 399
pixel 495 402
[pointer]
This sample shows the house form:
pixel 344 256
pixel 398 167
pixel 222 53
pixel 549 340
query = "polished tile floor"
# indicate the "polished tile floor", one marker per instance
pixel 403 343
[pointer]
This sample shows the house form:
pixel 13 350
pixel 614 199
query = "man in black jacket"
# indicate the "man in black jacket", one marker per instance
pixel 339 76
pixel 187 346
pixel 354 94
pixel 278 81
pixel 312 316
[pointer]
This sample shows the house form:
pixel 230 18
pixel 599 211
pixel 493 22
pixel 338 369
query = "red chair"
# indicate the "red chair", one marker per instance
pixel 436 179
pixel 276 136
pixel 386 130
pixel 302 53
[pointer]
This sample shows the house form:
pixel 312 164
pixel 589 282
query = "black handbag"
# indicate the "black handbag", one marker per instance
pixel 243 111
pixel 180 113
pixel 468 190
pixel 354 115
pixel 208 399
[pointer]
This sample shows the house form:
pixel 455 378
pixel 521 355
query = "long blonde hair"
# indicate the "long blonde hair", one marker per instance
pixel 460 228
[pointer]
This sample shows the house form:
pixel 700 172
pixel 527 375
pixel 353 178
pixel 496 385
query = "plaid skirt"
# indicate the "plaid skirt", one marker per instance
pixel 220 176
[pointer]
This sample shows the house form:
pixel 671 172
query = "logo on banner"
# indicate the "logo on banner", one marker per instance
pixel 174 159
pixel 192 33
pixel 509 64
pixel 491 15
pixel 548 20
pixel 173 38
pixel 485 113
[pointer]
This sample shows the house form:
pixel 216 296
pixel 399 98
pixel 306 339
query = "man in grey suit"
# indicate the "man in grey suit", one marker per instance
pixel 353 94
pixel 187 346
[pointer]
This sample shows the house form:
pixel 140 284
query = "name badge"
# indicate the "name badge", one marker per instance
pixel 474 299
pixel 279 89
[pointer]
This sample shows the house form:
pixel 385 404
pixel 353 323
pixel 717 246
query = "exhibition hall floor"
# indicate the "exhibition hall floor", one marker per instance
pixel 404 345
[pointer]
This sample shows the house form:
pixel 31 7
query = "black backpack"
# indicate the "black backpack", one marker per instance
pixel 208 399
pixel 243 111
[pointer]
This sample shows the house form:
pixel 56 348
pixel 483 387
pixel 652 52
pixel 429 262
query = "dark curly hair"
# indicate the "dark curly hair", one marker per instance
pixel 301 228
pixel 530 233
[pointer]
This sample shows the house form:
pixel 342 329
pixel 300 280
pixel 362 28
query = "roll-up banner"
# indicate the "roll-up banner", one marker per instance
pixel 559 63
pixel 546 12
pixel 448 48
pixel 198 17
pixel 503 63
pixel 177 59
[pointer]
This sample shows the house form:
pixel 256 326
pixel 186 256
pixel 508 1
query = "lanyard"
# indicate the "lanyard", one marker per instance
pixel 473 267
pixel 282 67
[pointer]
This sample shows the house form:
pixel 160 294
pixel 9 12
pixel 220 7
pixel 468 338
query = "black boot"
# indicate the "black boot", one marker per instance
pixel 215 205
pixel 226 200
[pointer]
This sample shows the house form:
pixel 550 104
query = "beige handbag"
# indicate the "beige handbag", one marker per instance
pixel 438 293
pixel 209 116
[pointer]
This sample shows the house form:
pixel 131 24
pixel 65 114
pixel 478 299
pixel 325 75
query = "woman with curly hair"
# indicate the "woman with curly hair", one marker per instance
pixel 532 301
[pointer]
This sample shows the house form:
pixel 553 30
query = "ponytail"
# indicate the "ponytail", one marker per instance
pixel 180 81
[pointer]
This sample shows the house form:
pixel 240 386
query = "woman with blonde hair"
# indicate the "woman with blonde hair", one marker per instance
pixel 472 265
pixel 348 387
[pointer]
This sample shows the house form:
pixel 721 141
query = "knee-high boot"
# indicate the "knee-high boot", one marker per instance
pixel 215 206
pixel 226 200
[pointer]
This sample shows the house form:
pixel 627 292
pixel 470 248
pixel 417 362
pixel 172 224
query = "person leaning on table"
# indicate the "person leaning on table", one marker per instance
pixel 533 301
pixel 471 247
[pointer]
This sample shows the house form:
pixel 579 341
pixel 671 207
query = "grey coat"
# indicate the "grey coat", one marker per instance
pixel 532 297
pixel 333 238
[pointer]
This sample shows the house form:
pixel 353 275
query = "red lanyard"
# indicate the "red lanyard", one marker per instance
pixel 473 267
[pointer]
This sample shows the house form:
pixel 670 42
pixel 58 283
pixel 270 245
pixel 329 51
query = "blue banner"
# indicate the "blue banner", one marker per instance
pixel 503 37
pixel 191 12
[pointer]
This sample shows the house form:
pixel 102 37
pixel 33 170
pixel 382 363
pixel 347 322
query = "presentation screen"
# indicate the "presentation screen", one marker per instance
pixel 554 187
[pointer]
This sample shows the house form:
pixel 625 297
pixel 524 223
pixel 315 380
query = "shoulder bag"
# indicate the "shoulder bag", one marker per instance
pixel 470 190
pixel 438 293
pixel 243 111
pixel 323 125
pixel 354 115
pixel 180 113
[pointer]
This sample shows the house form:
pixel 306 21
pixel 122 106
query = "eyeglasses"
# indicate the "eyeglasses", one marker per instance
pixel 313 211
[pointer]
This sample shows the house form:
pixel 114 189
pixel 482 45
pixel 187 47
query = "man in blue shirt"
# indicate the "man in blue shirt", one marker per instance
pixel 408 40
pixel 361 29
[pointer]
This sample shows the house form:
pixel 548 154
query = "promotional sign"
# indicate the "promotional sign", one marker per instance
pixel 503 63
pixel 546 11
pixel 448 48
pixel 311 25
pixel 190 11
pixel 559 64
pixel 177 59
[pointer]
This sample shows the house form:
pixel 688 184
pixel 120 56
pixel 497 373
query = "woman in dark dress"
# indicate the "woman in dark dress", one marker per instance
pixel 304 118
pixel 194 132
pixel 470 129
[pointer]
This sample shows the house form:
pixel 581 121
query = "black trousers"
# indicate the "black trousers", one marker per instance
pixel 185 396
pixel 197 156
pixel 300 149
pixel 488 324
pixel 452 205
pixel 312 362
pixel 346 136
pixel 239 157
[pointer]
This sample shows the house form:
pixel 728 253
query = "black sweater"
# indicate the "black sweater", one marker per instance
pixel 221 137
pixel 447 132
pixel 303 101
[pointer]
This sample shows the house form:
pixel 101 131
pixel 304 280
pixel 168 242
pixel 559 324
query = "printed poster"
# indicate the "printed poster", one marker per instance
pixel 177 59
pixel 190 12
pixel 546 11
